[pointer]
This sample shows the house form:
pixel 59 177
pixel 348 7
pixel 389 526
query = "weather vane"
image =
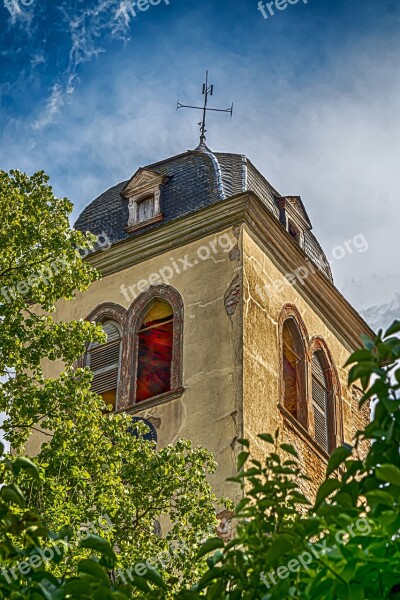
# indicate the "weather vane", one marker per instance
pixel 208 90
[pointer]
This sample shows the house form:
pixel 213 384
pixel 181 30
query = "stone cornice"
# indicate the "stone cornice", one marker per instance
pixel 249 210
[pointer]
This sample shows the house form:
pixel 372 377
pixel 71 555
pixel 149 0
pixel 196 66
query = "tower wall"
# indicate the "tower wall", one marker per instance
pixel 208 412
pixel 262 358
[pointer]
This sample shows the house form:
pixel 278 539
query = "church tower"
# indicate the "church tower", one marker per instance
pixel 221 313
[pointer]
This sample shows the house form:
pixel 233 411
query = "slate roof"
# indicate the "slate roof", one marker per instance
pixel 197 179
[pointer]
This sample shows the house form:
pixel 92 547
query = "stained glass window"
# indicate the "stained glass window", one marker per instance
pixel 155 347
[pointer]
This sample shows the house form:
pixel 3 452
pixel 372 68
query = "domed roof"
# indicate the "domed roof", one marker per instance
pixel 196 179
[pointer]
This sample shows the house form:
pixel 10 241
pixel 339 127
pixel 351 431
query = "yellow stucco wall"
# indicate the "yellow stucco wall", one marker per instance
pixel 261 357
pixel 206 413
pixel 231 348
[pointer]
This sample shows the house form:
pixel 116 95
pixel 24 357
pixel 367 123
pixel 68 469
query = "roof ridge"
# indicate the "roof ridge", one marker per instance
pixel 217 167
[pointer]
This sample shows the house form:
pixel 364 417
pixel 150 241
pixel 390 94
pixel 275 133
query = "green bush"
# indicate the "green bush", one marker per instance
pixel 344 546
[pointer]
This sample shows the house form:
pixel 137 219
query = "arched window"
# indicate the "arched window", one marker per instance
pixel 142 357
pixel 322 401
pixel 104 360
pixel 155 337
pixel 294 372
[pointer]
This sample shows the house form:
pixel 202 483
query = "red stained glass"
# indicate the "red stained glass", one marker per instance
pixel 154 359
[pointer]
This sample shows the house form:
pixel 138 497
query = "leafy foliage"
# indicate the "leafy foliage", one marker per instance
pixel 39 265
pixel 91 465
pixel 29 552
pixel 346 545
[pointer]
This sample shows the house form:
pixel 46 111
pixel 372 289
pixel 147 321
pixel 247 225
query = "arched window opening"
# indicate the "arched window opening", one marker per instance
pixel 104 361
pixel 322 402
pixel 294 372
pixel 155 351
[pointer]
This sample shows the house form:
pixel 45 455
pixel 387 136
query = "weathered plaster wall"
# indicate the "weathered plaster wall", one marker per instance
pixel 207 412
pixel 231 350
pixel 261 358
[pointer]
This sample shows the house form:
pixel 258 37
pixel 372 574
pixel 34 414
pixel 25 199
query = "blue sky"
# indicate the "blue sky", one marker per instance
pixel 89 95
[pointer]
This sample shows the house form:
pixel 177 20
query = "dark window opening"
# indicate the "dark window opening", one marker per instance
pixel 294 233
pixel 294 373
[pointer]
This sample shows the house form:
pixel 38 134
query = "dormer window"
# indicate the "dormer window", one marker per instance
pixel 293 217
pixel 144 210
pixel 143 193
pixel 294 232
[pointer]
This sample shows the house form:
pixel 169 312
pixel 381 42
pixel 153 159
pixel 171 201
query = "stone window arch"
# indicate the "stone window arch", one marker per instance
pixel 150 338
pixel 155 328
pixel 293 340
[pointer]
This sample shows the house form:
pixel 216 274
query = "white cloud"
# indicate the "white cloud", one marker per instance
pixel 88 29
pixel 53 107
pixel 333 138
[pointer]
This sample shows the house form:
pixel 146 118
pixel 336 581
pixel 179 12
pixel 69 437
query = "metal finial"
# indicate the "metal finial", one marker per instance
pixel 208 90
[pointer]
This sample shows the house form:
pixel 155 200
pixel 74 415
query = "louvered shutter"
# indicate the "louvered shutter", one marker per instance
pixel 104 360
pixel 320 403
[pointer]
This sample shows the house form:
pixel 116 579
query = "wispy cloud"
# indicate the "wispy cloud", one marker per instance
pixel 23 17
pixel 318 118
pixel 89 30
pixel 53 107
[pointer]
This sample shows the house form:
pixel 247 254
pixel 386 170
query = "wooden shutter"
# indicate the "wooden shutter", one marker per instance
pixel 320 403
pixel 104 360
pixel 146 209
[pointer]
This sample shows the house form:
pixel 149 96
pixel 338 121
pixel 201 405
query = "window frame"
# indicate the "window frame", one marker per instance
pixel 320 385
pixel 128 321
pixel 139 309
pixel 96 347
pixel 290 313
pixel 133 208
pixel 110 311
pixel 335 416
pixel 299 350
